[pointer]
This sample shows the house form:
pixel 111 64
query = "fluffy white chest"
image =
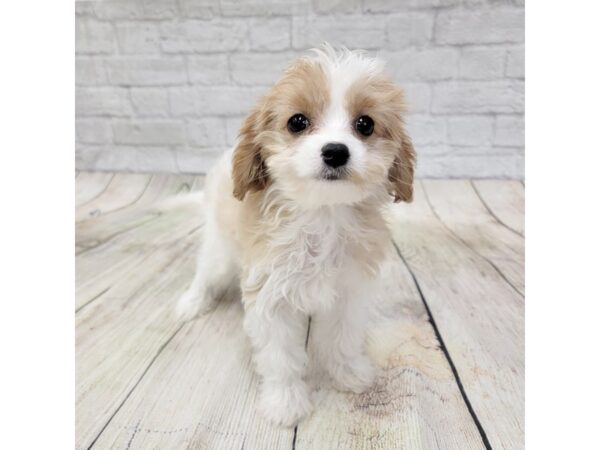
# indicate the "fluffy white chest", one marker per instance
pixel 304 260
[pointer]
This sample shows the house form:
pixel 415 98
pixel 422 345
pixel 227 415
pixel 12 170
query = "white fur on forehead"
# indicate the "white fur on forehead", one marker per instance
pixel 344 64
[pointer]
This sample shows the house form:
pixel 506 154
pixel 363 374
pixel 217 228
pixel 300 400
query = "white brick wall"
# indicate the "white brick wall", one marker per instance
pixel 163 85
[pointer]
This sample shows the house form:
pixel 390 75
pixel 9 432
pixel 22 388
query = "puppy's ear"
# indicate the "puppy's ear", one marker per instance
pixel 401 173
pixel 249 170
pixel 391 110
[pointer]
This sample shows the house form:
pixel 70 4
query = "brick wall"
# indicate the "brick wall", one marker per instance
pixel 162 86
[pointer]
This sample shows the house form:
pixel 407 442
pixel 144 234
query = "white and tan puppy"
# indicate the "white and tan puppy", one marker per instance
pixel 295 214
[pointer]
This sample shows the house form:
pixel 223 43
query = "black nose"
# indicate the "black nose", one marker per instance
pixel 335 154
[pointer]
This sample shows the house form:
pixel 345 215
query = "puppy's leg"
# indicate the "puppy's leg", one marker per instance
pixel 216 270
pixel 278 337
pixel 338 337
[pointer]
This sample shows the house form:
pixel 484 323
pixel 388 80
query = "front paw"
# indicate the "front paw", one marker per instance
pixel 188 306
pixel 285 405
pixel 354 375
pixel 192 304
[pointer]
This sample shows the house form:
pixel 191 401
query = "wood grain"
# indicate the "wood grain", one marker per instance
pixel 123 190
pixel 89 185
pixel 144 380
pixel 199 394
pixel 162 186
pixel 415 403
pixel 118 336
pixel 125 313
pixel 145 237
pixel 98 270
pixel 459 208
pixel 479 315
pixel 505 199
pixel 91 233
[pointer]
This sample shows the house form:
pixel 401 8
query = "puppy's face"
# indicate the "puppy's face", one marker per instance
pixel 330 131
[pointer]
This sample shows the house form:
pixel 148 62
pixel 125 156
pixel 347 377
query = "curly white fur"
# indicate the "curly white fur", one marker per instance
pixel 300 245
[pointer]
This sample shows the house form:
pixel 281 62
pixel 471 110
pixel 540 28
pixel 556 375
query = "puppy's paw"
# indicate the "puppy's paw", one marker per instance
pixel 355 375
pixel 191 304
pixel 285 405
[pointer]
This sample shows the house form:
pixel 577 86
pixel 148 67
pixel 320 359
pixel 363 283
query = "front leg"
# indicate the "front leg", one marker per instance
pixel 278 335
pixel 338 339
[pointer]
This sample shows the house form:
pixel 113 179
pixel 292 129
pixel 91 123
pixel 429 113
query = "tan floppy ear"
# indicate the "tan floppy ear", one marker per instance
pixel 402 171
pixel 249 170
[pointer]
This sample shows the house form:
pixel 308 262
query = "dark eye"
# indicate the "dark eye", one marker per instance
pixel 365 125
pixel 298 123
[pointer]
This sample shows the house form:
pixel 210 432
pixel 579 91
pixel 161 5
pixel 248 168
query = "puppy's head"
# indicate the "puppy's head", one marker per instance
pixel 330 131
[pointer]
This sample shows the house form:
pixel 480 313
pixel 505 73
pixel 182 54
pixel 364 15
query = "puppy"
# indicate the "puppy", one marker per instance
pixel 295 213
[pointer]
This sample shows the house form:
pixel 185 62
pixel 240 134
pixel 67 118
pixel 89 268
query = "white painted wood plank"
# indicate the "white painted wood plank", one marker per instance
pixel 199 182
pixel 119 335
pixel 124 190
pixel 415 404
pixel 480 318
pixel 162 186
pixel 120 331
pixel 130 256
pixel 140 237
pixel 89 185
pixel 91 233
pixel 457 205
pixel 505 200
pixel 200 393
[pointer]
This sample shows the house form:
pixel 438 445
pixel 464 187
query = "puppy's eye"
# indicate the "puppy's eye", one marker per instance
pixel 298 123
pixel 365 125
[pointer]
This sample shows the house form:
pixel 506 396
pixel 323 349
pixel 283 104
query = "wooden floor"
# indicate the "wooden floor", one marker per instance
pixel 451 347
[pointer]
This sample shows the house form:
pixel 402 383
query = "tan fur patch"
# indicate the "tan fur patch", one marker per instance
pixel 303 89
pixel 249 170
pixel 383 101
